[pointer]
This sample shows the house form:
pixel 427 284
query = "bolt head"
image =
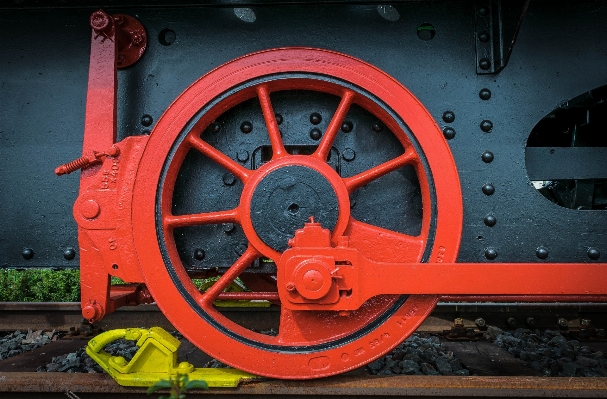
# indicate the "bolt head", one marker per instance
pixel 69 253
pixel 490 220
pixel 214 127
pixel 488 189
pixel 246 127
pixel 146 120
pixel 228 227
pixel 348 154
pixel 243 156
pixel 199 254
pixel 377 127
pixel 480 322
pixel 137 39
pixel 27 253
pixel 484 64
pixel 448 116
pixel 315 118
pixel 490 253
pixel 449 133
pixel 562 322
pixel 530 321
pixel 487 157
pixel 486 126
pixel 347 127
pixel 229 179
pixel 484 94
pixel 511 321
pixel 99 21
pixel 541 252
pixel 290 286
pixel 90 209
pixel 593 253
pixel 315 134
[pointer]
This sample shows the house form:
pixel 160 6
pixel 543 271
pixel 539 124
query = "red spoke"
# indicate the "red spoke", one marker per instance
pixel 278 148
pixel 338 118
pixel 383 245
pixel 234 271
pixel 237 170
pixel 230 216
pixel 357 181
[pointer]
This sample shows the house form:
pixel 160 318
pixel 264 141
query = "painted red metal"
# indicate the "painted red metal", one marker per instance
pixel 349 269
pixel 104 247
pixel 345 279
pixel 298 331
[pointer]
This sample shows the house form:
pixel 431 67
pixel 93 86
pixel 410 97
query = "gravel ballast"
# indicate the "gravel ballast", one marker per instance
pixel 550 352
pixel 18 342
pixel 419 356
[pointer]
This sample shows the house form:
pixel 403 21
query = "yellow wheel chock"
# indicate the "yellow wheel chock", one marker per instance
pixel 155 360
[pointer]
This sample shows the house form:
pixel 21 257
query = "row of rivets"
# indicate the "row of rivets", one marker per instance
pixel 69 253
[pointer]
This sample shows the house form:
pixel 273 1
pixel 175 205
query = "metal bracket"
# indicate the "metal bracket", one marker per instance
pixel 496 27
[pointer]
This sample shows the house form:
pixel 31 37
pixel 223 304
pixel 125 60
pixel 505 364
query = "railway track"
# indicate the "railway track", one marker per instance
pixel 30 385
pixel 497 372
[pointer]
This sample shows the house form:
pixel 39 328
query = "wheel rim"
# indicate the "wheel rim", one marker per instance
pixel 305 347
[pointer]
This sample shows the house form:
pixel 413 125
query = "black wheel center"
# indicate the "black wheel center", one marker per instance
pixel 286 198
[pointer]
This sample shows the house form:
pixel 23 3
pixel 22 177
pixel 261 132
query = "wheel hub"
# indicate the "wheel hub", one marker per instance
pixel 286 198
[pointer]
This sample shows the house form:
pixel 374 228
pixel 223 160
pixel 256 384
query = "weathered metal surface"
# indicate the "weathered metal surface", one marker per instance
pixel 338 387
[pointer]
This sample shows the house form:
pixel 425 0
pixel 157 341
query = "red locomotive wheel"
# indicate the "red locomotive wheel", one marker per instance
pixel 309 344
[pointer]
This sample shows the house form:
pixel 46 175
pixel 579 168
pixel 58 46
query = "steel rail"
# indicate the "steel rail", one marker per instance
pixel 36 385
pixel 62 316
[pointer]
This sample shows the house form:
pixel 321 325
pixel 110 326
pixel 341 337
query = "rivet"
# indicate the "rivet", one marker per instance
pixel 240 249
pixel 147 120
pixel 511 321
pixel 490 253
pixel 243 155
pixel 27 253
pixel 346 127
pixel 315 118
pixel 486 126
pixel 490 220
pixel 199 254
pixel 483 11
pixel 488 189
pixel 214 127
pixel 228 227
pixel 315 134
pixel 278 118
pixel 541 252
pixel 229 179
pixel 448 116
pixel 246 127
pixel 69 253
pixel 487 157
pixel 484 64
pixel 484 94
pixel 377 127
pixel 483 36
pixel 593 253
pixel 348 154
pixel 90 209
pixel 449 133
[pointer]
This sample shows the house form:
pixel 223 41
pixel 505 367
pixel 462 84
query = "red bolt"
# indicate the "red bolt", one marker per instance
pixel 100 21
pixel 90 209
pixel 291 286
